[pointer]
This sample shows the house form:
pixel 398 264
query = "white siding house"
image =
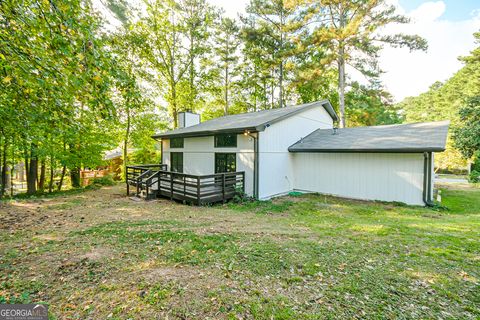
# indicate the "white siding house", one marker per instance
pixel 199 156
pixel 297 149
pixel 275 161
pixel 373 176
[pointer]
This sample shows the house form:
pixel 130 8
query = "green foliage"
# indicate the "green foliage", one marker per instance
pixel 170 40
pixel 474 176
pixel 346 33
pixel 467 135
pixel 104 181
pixel 56 74
pixel 457 101
pixel 66 89
pixel 369 106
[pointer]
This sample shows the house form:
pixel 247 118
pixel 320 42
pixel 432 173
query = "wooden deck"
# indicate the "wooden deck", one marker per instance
pixel 155 181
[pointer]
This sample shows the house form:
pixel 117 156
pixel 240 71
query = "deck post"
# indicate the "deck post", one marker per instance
pixel 198 190
pixel 223 187
pixel 128 188
pixel 171 185
pixel 184 187
pixel 243 181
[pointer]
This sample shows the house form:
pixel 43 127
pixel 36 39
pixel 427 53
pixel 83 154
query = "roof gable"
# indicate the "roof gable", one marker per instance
pixel 412 137
pixel 252 121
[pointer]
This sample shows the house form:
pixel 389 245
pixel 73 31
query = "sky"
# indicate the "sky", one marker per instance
pixel 448 26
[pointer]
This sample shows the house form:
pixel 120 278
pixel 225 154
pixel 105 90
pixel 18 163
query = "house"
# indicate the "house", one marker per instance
pixel 296 148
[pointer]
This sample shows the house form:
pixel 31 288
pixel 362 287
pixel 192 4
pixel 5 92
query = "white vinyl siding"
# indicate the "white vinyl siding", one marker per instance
pixel 275 165
pixel 370 176
pixel 199 156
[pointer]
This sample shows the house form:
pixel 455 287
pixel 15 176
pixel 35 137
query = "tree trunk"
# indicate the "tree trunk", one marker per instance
pixel 341 87
pixel 41 181
pixel 11 181
pixel 341 74
pixel 192 72
pixel 280 95
pixel 27 168
pixel 125 143
pixel 52 171
pixel 272 84
pixel 225 111
pixel 75 177
pixel 4 169
pixel 281 85
pixel 60 183
pixel 32 171
pixel 265 100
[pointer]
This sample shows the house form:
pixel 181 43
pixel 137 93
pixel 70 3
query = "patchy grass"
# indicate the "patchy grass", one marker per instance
pixel 98 254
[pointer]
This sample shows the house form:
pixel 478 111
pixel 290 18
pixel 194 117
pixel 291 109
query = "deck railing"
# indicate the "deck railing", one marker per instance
pixel 198 189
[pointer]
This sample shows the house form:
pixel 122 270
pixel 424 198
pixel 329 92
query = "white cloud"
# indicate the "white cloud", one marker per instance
pixel 411 73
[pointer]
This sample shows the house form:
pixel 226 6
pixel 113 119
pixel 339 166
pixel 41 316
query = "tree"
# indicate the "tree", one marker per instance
pixel 268 30
pixel 467 135
pixel 370 106
pixel 199 18
pixel 54 67
pixel 350 34
pixel 444 101
pixel 170 39
pixel 227 42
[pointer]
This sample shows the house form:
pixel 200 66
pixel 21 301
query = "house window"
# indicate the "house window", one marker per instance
pixel 225 162
pixel 176 161
pixel 226 140
pixel 176 143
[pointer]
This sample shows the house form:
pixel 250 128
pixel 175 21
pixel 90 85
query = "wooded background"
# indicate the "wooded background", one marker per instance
pixel 74 87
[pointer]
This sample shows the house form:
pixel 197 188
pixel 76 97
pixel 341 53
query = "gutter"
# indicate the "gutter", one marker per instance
pixel 359 150
pixel 427 179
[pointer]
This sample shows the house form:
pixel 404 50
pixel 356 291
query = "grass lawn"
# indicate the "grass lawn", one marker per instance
pixel 98 254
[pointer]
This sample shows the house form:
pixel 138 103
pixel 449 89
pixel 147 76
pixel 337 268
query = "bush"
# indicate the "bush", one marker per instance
pixel 104 181
pixel 474 176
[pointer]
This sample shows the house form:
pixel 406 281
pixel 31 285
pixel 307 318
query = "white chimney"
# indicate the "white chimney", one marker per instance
pixel 188 119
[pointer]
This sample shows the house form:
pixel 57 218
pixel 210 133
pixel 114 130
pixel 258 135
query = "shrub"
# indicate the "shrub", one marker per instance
pixel 474 176
pixel 104 181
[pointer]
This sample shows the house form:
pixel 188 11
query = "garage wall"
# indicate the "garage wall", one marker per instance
pixel 370 176
pixel 275 162
pixel 199 156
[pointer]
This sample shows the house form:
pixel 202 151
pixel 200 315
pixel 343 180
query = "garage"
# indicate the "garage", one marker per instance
pixel 385 163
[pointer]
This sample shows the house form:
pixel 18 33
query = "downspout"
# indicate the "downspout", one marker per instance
pixel 256 165
pixel 256 160
pixel 427 179
pixel 161 151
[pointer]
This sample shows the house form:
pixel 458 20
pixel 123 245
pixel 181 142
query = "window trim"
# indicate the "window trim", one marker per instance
pixel 171 161
pixel 226 159
pixel 178 139
pixel 215 139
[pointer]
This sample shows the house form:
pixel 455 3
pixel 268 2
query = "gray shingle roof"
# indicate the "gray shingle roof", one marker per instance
pixel 412 137
pixel 252 121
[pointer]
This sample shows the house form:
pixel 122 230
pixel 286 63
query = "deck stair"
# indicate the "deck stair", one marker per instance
pixel 152 181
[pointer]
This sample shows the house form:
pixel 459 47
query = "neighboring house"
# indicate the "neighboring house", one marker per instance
pixel 297 148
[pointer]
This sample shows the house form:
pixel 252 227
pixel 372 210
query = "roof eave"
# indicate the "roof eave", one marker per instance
pixel 394 150
pixel 205 133
pixel 324 103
